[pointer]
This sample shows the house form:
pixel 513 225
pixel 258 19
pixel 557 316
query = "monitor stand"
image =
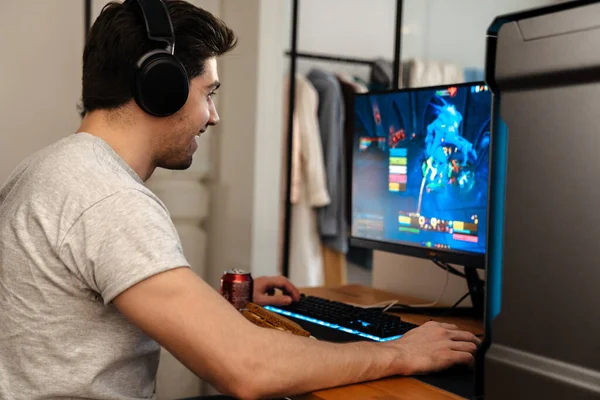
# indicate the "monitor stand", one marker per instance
pixel 476 293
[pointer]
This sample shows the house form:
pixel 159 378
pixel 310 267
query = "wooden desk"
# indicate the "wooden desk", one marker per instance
pixel 395 388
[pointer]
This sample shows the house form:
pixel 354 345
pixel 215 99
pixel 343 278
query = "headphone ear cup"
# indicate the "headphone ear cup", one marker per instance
pixel 161 84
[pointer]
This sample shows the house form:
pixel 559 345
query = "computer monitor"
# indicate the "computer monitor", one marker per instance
pixel 420 172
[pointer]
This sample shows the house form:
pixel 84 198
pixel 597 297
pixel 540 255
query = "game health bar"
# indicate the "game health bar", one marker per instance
pixel 397 160
pixel 408 221
pixel 398 152
pixel 397 186
pixel 398 169
pixel 465 228
pixel 465 238
pixel 409 230
pixel 397 178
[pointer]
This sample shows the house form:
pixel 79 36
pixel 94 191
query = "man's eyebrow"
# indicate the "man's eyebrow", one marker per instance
pixel 214 86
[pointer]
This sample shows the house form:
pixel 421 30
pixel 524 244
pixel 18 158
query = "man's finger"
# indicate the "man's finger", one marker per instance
pixel 261 300
pixel 279 300
pixel 464 336
pixel 462 357
pixel 467 347
pixel 284 284
pixel 451 327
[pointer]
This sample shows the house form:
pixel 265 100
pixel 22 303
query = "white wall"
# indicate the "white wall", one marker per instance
pixel 361 28
pixel 40 76
pixel 434 29
pixel 245 212
pixel 269 139
pixel 244 220
pixel 351 28
pixel 455 31
pixel 233 205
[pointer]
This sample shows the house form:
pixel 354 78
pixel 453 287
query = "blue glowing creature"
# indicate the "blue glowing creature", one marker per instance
pixel 443 133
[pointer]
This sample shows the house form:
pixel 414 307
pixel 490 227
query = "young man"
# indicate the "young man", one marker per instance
pixel 92 275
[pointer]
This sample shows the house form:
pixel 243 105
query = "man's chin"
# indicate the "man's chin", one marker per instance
pixel 178 166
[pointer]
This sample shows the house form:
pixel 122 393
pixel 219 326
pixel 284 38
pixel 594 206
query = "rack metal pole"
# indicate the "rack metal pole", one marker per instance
pixel 290 126
pixel 397 44
pixel 87 17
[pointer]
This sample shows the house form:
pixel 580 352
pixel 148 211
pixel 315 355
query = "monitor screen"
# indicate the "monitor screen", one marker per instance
pixel 420 168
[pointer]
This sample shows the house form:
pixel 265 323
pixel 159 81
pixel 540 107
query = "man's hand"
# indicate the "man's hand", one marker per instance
pixel 265 284
pixel 435 346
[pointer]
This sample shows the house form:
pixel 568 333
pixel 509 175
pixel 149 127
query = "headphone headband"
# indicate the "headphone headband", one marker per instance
pixel 158 23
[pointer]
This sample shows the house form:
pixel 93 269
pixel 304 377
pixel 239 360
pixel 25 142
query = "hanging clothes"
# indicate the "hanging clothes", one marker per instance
pixel 382 74
pixel 308 188
pixel 348 88
pixel 474 74
pixel 356 85
pixel 430 73
pixel 356 255
pixel 332 219
pixel 306 258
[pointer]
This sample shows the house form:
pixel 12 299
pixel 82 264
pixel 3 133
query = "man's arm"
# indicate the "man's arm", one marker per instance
pixel 199 327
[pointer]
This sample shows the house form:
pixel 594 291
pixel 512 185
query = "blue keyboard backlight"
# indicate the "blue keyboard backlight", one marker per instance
pixel 329 325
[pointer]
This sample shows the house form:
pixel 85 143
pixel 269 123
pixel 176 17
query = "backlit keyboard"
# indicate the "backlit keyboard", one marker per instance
pixel 312 313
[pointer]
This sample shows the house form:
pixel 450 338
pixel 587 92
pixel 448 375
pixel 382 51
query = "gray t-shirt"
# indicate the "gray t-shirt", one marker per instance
pixel 77 228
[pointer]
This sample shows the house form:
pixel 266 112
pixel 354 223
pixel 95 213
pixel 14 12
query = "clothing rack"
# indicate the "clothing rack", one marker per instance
pixel 324 57
pixel 87 18
pixel 294 56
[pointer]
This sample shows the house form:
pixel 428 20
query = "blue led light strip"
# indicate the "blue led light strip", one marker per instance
pixel 329 325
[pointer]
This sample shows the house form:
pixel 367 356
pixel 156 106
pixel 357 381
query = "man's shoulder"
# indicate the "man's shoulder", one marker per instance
pixel 70 176
pixel 80 164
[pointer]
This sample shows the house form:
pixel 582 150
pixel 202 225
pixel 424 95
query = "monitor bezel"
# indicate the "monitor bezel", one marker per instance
pixel 464 258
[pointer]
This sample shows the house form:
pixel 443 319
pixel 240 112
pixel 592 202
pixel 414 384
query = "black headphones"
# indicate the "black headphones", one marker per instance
pixel 160 85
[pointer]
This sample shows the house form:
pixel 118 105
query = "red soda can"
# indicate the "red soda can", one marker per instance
pixel 237 287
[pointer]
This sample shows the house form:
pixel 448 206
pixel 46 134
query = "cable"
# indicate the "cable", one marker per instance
pixel 390 303
pixel 446 266
pixel 390 306
pixel 461 299
pixel 436 302
pixel 387 303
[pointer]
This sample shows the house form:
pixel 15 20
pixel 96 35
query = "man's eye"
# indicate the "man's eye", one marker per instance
pixel 212 94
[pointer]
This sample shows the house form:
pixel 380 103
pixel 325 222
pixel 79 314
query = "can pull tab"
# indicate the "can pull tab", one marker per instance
pixel 237 271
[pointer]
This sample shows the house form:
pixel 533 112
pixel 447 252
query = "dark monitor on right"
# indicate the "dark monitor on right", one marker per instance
pixel 420 172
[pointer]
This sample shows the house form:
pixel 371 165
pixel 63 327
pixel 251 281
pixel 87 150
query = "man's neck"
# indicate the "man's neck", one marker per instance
pixel 128 137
